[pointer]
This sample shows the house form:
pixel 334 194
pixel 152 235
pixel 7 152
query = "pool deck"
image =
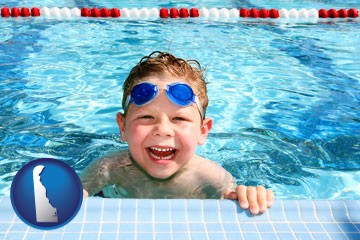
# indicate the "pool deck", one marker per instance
pixel 182 219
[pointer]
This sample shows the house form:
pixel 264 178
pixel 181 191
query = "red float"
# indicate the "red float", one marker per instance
pixel 115 13
pixel 194 12
pixel 254 13
pixel 95 12
pixel 15 12
pixel 35 12
pixel 244 13
pixel 333 13
pixel 342 13
pixel 353 13
pixel 323 13
pixel 25 12
pixel 183 13
pixel 85 12
pixel 274 13
pixel 5 12
pixel 164 13
pixel 104 12
pixel 174 13
pixel 263 13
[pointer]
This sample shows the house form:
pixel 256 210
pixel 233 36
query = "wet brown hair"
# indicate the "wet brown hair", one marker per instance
pixel 163 63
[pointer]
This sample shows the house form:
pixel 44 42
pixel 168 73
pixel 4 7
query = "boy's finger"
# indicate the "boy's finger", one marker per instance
pixel 269 198
pixel 261 198
pixel 253 200
pixel 85 193
pixel 242 196
pixel 230 195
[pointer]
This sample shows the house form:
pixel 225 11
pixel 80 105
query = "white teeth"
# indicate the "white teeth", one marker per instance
pixel 162 149
pixel 162 158
pixel 170 151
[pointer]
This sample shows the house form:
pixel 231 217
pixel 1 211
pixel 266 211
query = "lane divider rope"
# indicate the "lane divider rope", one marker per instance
pixel 144 13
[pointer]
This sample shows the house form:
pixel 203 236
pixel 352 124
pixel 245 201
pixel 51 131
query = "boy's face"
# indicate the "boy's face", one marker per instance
pixel 162 136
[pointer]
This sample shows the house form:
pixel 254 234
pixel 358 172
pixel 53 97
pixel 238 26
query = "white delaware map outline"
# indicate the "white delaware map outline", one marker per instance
pixel 45 212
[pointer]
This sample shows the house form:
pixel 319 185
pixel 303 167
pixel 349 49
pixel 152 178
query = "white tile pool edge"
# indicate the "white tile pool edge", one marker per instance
pixel 141 219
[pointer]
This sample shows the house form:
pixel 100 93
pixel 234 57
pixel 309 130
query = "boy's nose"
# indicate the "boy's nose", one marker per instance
pixel 163 128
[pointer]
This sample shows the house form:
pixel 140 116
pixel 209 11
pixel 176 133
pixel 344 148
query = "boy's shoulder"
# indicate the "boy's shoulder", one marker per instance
pixel 209 173
pixel 118 155
pixel 206 168
pixel 117 159
pixel 201 163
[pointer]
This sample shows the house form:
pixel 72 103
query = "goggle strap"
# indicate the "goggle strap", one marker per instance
pixel 127 102
pixel 197 101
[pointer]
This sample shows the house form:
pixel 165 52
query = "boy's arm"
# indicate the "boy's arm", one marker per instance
pixel 256 199
pixel 95 177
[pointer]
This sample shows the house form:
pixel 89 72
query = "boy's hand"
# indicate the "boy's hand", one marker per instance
pixel 85 193
pixel 256 199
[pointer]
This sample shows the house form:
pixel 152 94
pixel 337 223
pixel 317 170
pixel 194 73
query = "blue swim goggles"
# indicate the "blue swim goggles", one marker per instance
pixel 178 93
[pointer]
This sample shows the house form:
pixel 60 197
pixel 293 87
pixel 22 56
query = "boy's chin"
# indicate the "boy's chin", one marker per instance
pixel 162 177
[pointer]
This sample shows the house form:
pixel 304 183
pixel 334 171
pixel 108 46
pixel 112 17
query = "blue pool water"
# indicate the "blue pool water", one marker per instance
pixel 284 96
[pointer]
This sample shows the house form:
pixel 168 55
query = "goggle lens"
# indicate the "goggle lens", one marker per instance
pixel 180 94
pixel 143 93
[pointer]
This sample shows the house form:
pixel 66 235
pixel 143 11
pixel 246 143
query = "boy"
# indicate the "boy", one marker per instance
pixel 164 103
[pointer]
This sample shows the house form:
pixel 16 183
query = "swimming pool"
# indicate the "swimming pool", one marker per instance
pixel 284 96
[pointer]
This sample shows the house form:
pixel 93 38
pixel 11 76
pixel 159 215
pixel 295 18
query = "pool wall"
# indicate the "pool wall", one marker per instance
pixel 182 219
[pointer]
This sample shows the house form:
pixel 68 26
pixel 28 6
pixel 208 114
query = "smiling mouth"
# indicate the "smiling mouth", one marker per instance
pixel 162 153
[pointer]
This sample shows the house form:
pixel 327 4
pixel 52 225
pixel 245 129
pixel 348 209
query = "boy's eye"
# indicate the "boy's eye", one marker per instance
pixel 180 119
pixel 146 117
